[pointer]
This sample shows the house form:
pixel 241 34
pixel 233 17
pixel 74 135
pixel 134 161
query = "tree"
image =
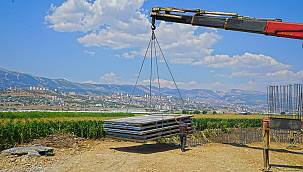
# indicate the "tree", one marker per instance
pixel 184 112
pixel 214 112
pixel 204 112
pixel 196 112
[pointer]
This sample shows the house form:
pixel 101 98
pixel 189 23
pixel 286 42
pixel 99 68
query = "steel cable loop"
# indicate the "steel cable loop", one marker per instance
pixel 141 67
pixel 170 72
pixel 151 72
pixel 158 78
pixel 152 46
pixel 154 38
pixel 159 84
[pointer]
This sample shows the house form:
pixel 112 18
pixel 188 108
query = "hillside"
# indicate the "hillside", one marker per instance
pixel 25 81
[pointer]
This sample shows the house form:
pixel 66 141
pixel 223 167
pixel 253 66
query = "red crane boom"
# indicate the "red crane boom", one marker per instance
pixel 228 21
pixel 284 29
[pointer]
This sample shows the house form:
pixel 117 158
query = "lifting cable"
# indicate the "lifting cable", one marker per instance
pixel 170 72
pixel 159 87
pixel 152 45
pixel 151 70
pixel 158 80
pixel 138 76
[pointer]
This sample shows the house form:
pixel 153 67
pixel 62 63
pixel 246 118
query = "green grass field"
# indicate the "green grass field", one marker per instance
pixel 14 133
pixel 229 116
pixel 20 127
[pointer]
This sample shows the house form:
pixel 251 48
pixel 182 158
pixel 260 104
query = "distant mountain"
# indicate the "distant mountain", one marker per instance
pixel 245 97
pixel 25 81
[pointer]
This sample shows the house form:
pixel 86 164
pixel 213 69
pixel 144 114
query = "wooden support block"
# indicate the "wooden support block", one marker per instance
pixel 266 128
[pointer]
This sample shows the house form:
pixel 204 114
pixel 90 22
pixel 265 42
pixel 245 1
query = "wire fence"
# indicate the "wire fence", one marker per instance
pixel 243 136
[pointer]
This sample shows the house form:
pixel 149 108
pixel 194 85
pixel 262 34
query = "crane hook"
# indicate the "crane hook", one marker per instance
pixel 153 26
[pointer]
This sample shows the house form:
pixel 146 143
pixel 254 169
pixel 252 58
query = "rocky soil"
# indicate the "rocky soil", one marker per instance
pixel 74 154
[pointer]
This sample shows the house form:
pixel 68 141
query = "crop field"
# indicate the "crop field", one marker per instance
pixel 91 152
pixel 229 116
pixel 21 127
pixel 21 132
pixel 216 123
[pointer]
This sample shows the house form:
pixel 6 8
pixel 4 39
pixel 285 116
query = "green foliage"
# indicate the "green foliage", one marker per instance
pixel 210 123
pixel 184 112
pixel 13 133
pixel 23 115
pixel 191 112
pixel 204 112
pixel 196 112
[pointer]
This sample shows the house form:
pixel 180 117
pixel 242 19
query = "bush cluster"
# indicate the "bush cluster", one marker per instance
pixel 211 123
pixel 13 133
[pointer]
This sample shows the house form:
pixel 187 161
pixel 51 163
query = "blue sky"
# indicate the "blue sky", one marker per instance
pixel 102 41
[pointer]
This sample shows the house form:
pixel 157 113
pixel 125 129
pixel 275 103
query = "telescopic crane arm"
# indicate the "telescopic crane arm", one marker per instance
pixel 228 21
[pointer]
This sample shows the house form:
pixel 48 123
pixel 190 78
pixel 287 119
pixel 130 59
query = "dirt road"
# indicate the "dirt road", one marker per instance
pixel 127 156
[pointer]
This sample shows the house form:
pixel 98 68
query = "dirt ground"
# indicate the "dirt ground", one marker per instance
pixel 116 156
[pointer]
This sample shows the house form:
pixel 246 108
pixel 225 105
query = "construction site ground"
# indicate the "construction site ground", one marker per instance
pixel 74 154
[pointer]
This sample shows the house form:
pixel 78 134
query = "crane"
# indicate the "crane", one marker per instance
pixel 144 128
pixel 235 22
pixel 228 21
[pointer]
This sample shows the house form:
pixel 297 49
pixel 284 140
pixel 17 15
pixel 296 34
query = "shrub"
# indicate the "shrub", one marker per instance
pixel 196 112
pixel 211 123
pixel 12 133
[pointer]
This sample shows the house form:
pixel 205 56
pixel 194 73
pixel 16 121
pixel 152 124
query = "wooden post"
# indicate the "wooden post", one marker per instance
pixel 302 129
pixel 265 123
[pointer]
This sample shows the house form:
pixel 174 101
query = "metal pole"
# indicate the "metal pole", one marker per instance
pixel 291 99
pixel 296 99
pixel 301 101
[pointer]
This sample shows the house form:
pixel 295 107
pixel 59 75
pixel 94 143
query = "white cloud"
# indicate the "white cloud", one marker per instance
pixel 122 25
pixel 182 46
pixel 280 74
pixel 131 54
pixel 111 78
pixel 259 69
pixel 185 47
pixel 114 39
pixel 186 84
pixel 89 82
pixel 256 81
pixel 260 79
pixel 286 74
pixel 243 74
pixel 92 53
pixel 84 15
pixel 74 15
pixel 246 60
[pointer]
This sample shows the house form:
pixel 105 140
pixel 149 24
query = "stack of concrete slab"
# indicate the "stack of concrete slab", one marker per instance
pixel 146 127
